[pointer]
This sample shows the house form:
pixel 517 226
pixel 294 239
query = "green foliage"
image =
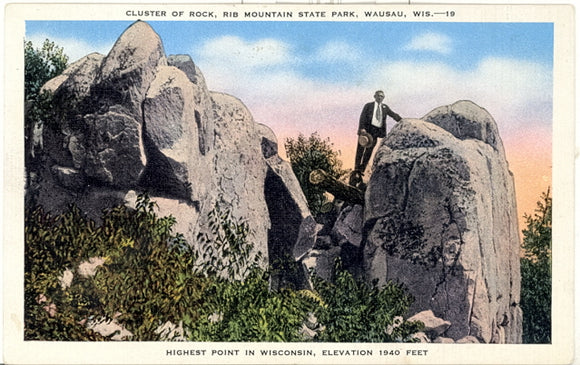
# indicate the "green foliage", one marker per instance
pixel 307 155
pixel 536 271
pixel 225 250
pixel 150 276
pixel 147 277
pixel 355 311
pixel 248 311
pixel 41 65
pixel 239 305
pixel 53 244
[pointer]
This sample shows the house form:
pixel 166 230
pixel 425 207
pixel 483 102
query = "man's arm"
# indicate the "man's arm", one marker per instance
pixel 392 114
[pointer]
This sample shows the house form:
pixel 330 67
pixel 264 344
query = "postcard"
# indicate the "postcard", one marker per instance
pixel 289 183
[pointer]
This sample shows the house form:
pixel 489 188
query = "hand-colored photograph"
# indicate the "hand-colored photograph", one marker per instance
pixel 272 180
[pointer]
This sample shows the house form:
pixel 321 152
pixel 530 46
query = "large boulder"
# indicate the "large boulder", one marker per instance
pixel 136 120
pixel 440 217
pixel 100 119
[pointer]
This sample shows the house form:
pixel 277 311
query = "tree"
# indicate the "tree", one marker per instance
pixel 307 155
pixel 40 65
pixel 536 271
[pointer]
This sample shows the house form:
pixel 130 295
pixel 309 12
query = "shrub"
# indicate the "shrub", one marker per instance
pixel 248 311
pixel 40 65
pixel 356 311
pixel 151 276
pixel 536 271
pixel 239 305
pixel 224 250
pixel 146 280
pixel 307 155
pixel 52 245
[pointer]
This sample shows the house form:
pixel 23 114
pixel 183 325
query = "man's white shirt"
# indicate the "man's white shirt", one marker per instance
pixel 377 123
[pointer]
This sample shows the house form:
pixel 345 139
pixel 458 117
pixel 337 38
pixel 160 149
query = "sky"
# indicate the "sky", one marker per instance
pixel 306 77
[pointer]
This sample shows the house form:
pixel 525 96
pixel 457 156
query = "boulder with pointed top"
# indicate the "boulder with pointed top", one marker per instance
pixel 440 217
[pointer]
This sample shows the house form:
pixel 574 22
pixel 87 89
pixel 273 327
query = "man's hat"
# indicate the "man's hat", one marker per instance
pixel 365 139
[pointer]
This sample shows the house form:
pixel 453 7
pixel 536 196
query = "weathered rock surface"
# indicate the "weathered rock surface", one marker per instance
pixel 440 217
pixel 136 120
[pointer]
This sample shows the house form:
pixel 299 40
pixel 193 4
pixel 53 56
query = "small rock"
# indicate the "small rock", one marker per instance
pixel 311 322
pixel 50 309
pixel 109 328
pixel 89 268
pixel 323 243
pixel 216 317
pixel 322 262
pixel 421 336
pixel 66 279
pixel 434 326
pixel 397 321
pixel 307 333
pixel 68 177
pixel 171 332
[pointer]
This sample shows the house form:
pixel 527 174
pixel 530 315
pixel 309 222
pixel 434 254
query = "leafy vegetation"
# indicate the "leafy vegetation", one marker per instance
pixel 355 311
pixel 536 270
pixel 225 251
pixel 248 311
pixel 149 276
pixel 40 65
pixel 307 155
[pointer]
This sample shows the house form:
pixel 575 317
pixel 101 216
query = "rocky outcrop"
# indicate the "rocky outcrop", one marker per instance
pixel 136 120
pixel 440 217
pixel 438 214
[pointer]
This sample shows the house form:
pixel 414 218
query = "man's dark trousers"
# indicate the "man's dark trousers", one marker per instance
pixel 363 154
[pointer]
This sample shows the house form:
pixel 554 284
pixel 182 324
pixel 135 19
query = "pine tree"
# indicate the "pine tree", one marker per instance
pixel 536 270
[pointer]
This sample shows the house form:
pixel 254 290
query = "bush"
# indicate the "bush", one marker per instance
pixel 147 277
pixel 40 65
pixel 150 276
pixel 307 155
pixel 355 311
pixel 225 251
pixel 536 271
pixel 248 311
pixel 239 305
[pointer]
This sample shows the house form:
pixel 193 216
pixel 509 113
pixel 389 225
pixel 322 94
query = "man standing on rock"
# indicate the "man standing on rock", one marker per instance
pixel 372 125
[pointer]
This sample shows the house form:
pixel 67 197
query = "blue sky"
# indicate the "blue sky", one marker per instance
pixel 460 44
pixel 273 61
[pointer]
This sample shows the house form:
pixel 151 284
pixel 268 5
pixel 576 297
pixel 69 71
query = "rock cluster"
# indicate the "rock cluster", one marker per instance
pixel 136 120
pixel 438 215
